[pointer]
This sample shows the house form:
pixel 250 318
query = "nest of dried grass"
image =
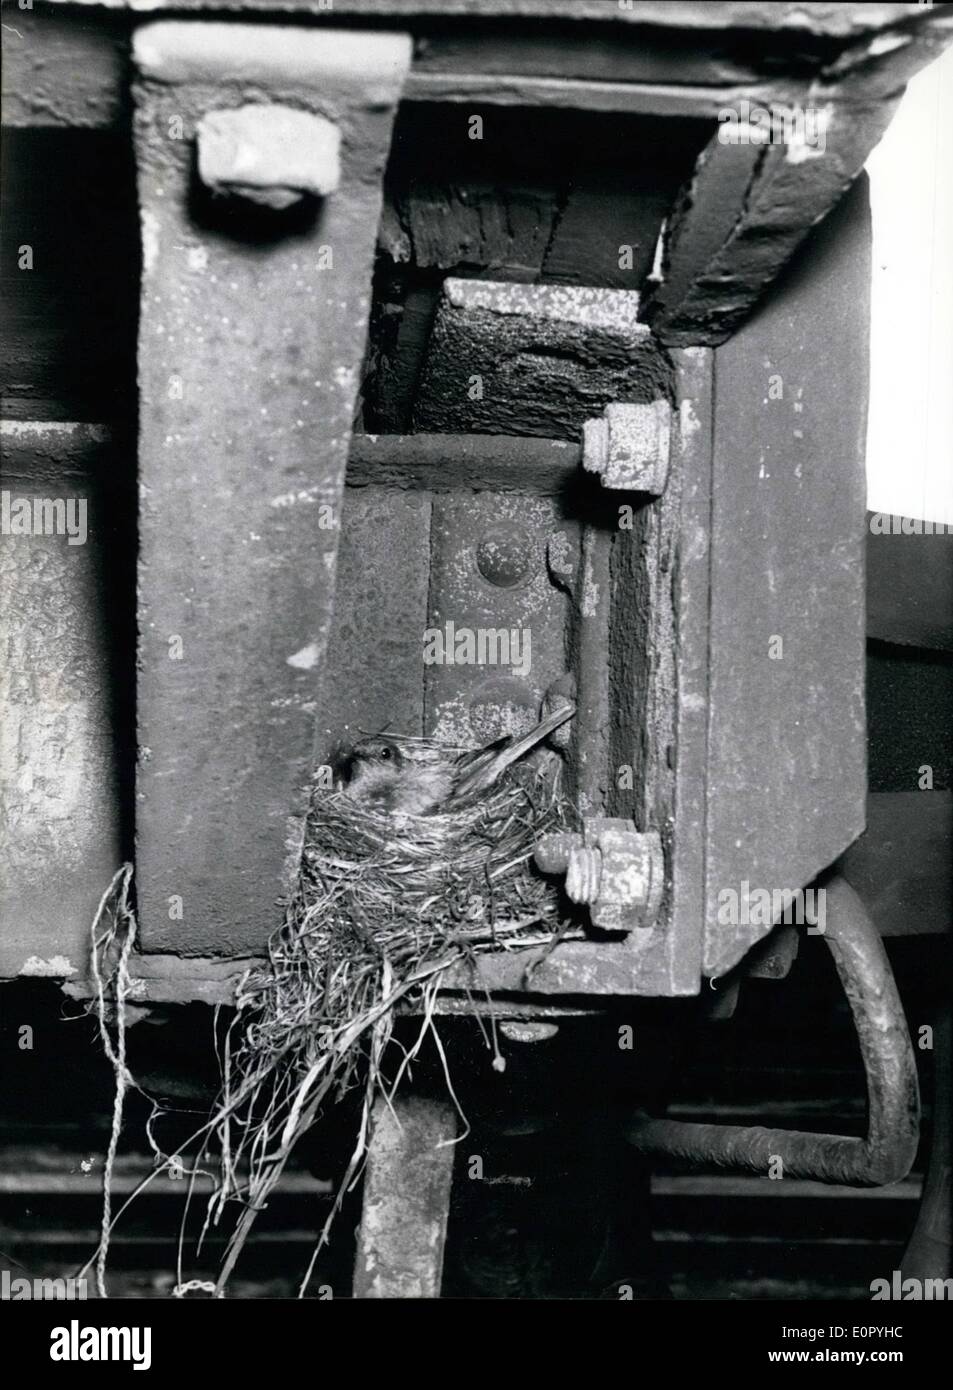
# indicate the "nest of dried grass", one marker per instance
pixel 384 905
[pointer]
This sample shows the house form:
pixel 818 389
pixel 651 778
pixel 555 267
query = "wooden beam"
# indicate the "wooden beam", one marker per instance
pixel 748 206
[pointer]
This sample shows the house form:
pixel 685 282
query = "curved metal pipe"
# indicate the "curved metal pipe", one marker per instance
pixel 928 1254
pixel 893 1099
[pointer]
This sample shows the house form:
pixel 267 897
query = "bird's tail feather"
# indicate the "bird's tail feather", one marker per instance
pixel 486 769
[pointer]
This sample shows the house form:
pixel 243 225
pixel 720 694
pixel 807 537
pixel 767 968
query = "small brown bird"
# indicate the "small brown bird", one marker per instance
pixel 376 774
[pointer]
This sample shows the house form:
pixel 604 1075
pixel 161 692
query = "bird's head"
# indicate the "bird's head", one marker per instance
pixel 370 755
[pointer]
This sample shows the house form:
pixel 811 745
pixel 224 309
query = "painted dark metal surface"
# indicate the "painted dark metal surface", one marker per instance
pixel 786 742
pixel 902 866
pixel 909 582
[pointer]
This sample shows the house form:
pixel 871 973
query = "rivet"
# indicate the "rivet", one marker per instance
pixel 506 555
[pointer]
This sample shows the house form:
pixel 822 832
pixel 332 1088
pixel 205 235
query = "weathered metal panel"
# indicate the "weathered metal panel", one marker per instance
pixel 373 676
pixel 660 58
pixel 672 729
pixel 489 578
pixel 786 752
pixel 251 337
pixel 653 680
pixel 64 69
pixel 60 788
pixel 659 660
pixel 694 397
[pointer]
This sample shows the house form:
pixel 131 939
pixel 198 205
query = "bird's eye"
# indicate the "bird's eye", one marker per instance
pixel 385 752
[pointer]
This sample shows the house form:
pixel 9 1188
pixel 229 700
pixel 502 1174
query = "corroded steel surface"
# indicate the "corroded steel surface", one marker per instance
pixel 406 1199
pixel 251 337
pixel 60 789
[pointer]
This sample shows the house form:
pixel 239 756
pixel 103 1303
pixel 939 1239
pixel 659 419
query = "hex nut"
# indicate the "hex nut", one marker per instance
pixel 629 446
pixel 272 155
pixel 616 870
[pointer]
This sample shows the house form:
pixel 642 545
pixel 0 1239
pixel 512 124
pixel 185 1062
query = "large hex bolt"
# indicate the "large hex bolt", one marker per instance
pixel 269 154
pixel 628 446
pixel 614 869
pixel 560 694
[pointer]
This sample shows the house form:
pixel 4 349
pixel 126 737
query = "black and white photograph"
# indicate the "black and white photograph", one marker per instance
pixel 476 678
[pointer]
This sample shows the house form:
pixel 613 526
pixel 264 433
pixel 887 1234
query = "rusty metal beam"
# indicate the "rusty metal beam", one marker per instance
pixel 252 331
pixel 76 76
pixel 65 69
pixel 838 20
pixel 886 1153
pixel 406 1199
pixel 65 598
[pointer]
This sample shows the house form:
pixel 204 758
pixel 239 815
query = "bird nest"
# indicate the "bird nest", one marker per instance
pixel 384 906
